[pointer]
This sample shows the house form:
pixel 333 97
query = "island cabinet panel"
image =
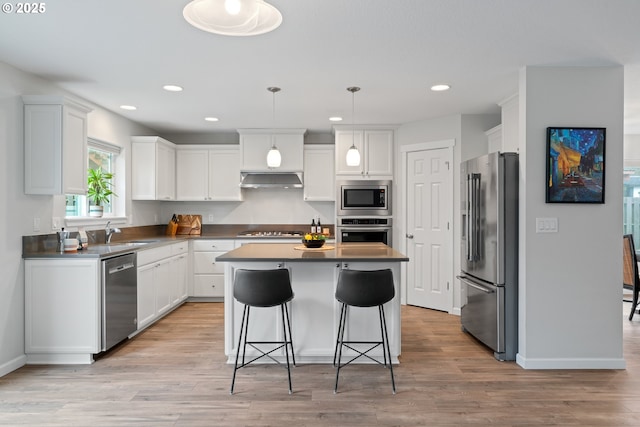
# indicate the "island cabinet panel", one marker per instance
pixel 62 311
pixel 314 311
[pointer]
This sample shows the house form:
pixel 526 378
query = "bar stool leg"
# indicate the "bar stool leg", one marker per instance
pixel 286 345
pixel 242 328
pixel 387 347
pixel 290 339
pixel 342 312
pixel 339 344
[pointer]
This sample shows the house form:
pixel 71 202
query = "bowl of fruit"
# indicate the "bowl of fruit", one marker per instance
pixel 313 240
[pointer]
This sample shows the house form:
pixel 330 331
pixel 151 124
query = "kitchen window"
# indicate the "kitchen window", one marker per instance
pixel 105 156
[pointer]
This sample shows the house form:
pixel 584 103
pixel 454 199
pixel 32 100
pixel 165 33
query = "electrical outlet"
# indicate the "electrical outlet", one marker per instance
pixel 36 223
pixel 210 218
pixel 55 223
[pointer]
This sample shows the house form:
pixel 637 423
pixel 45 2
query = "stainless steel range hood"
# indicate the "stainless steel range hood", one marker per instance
pixel 271 180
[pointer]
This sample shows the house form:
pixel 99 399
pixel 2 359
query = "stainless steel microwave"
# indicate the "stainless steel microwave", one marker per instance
pixel 366 197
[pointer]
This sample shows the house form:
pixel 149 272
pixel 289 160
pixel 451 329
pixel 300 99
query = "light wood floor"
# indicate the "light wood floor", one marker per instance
pixel 174 374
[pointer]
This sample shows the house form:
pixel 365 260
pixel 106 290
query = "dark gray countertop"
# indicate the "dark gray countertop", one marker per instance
pixel 333 252
pixel 145 237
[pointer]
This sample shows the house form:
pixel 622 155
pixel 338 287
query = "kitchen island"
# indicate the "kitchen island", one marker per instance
pixel 314 310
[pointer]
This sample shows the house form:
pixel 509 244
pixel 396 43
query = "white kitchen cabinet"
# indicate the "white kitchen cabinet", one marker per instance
pixel 376 152
pixel 153 168
pixel 158 281
pixel 62 310
pixel 179 270
pixel 319 173
pixel 256 143
pixel 494 139
pixel 55 145
pixel 510 116
pixel 208 274
pixel 208 173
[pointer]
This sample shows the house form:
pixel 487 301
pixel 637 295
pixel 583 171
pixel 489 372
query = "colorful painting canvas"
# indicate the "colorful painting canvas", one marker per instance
pixel 575 165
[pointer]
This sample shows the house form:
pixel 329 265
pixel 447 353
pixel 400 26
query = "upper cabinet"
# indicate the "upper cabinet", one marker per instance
pixel 319 173
pixel 153 167
pixel 505 137
pixel 208 173
pixel 55 145
pixel 376 152
pixel 256 143
pixel 510 124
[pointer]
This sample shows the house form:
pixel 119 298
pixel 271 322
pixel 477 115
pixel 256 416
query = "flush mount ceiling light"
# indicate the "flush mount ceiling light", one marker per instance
pixel 353 155
pixel 172 88
pixel 440 88
pixel 233 17
pixel 274 159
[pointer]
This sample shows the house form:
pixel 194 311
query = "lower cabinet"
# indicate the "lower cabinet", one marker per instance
pixel 208 275
pixel 162 281
pixel 62 311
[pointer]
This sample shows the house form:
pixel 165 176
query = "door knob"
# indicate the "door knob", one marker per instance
pixel 409 236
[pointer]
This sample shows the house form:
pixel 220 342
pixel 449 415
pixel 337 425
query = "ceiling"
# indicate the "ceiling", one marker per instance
pixel 114 52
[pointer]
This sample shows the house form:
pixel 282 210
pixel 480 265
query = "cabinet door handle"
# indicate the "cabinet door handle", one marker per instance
pixel 409 236
pixel 345 265
pixel 279 266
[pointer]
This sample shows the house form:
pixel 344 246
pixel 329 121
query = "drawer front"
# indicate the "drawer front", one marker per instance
pixel 146 256
pixel 179 248
pixel 205 263
pixel 213 245
pixel 208 285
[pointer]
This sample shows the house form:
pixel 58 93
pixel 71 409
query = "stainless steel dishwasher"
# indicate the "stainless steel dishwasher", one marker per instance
pixel 119 299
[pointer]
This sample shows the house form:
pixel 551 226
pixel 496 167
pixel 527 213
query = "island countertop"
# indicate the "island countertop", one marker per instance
pixel 332 252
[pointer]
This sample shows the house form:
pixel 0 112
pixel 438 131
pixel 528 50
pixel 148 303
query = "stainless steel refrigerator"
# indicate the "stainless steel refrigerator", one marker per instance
pixel 489 251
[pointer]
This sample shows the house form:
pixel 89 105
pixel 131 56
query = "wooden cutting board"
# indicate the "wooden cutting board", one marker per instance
pixel 189 224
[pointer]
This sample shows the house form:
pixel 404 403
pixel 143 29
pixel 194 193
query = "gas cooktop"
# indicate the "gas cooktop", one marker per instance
pixel 270 233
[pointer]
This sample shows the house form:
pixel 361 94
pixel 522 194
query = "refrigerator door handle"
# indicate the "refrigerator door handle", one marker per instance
pixel 469 230
pixel 474 285
pixel 473 190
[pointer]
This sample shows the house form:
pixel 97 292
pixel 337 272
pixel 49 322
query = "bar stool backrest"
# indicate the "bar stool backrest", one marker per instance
pixel 365 288
pixel 262 288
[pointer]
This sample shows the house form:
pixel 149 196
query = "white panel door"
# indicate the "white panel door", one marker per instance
pixel 429 233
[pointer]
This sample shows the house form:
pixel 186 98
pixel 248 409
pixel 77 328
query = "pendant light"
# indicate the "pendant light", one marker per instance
pixel 273 156
pixel 353 155
pixel 232 17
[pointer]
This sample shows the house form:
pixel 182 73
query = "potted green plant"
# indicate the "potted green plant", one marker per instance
pixel 98 191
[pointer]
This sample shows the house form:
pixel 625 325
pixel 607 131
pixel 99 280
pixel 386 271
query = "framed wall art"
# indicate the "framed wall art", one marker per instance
pixel 575 165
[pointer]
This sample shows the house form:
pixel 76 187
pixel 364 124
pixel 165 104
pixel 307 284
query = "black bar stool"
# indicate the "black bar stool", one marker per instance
pixel 364 289
pixel 263 288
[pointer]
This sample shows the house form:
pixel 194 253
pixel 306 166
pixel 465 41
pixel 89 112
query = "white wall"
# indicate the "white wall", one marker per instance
pixel 468 132
pixel 570 281
pixel 18 210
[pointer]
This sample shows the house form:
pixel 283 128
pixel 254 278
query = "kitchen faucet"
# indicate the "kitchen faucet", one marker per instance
pixel 109 232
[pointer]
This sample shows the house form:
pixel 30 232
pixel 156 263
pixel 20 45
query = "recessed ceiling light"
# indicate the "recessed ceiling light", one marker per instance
pixel 211 119
pixel 335 119
pixel 172 88
pixel 440 88
pixel 128 107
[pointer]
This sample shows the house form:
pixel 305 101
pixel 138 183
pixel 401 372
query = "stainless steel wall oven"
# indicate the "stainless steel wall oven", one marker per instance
pixel 364 230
